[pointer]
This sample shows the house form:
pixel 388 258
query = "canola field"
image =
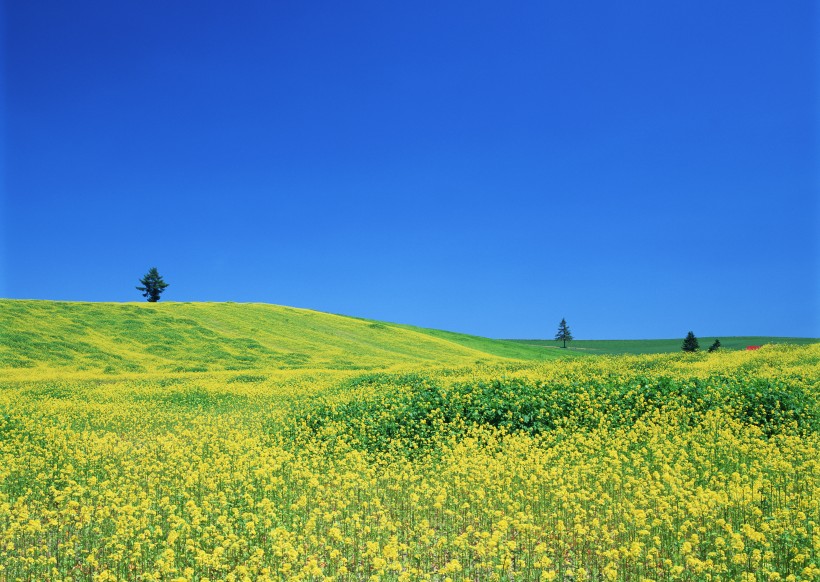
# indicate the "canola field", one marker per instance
pixel 665 467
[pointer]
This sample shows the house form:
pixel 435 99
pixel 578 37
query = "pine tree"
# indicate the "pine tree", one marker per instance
pixel 153 285
pixel 715 346
pixel 563 334
pixel 690 344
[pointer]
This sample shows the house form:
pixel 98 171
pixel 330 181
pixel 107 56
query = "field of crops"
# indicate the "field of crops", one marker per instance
pixel 666 467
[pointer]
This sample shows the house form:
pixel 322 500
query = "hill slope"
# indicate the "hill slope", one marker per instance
pixel 190 337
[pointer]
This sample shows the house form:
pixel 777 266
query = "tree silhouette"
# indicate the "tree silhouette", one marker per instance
pixel 690 344
pixel 563 334
pixel 152 285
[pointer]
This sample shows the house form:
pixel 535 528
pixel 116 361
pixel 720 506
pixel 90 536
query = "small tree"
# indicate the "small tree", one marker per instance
pixel 690 344
pixel 563 335
pixel 715 346
pixel 152 285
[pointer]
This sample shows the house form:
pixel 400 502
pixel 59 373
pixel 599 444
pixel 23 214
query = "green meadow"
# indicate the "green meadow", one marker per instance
pixel 661 346
pixel 204 337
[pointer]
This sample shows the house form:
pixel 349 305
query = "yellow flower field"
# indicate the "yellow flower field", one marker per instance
pixel 674 467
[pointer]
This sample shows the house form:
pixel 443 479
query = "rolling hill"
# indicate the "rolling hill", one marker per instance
pixel 199 337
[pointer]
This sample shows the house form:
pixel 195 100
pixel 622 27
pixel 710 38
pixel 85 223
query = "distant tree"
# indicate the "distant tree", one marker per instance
pixel 563 335
pixel 152 285
pixel 690 344
pixel 715 346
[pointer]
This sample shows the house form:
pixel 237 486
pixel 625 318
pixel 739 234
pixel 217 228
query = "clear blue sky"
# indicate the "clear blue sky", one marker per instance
pixel 640 168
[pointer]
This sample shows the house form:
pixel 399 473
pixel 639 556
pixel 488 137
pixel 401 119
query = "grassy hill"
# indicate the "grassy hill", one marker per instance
pixel 498 347
pixel 659 346
pixel 194 337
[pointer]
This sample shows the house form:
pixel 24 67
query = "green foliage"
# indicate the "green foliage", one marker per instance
pixel 152 285
pixel 564 334
pixel 715 346
pixel 409 413
pixel 690 343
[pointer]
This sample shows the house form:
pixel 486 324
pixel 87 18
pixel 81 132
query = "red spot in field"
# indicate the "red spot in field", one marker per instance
pixel 752 347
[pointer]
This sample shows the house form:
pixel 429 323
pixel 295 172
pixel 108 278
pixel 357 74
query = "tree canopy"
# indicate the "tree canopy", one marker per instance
pixel 152 285
pixel 690 343
pixel 564 334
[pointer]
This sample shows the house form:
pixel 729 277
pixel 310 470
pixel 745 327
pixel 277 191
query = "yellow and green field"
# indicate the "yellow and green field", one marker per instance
pixel 255 442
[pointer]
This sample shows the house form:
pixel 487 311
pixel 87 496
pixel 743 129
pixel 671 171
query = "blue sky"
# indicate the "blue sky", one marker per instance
pixel 642 168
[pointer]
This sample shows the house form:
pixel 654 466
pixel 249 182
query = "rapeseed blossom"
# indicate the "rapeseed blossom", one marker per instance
pixel 628 468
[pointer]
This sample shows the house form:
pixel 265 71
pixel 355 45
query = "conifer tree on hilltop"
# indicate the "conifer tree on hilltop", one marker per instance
pixel 563 335
pixel 690 344
pixel 153 285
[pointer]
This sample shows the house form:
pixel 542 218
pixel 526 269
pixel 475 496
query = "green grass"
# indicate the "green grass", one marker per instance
pixel 204 337
pixel 659 346
pixel 502 348
pixel 115 338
